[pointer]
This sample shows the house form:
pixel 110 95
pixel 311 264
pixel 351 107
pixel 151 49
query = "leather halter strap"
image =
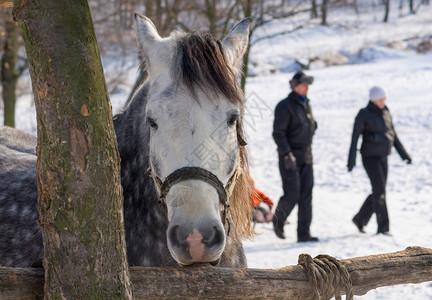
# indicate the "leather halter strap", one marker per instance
pixel 197 173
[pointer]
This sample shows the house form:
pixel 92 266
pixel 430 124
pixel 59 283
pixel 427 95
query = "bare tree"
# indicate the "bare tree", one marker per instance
pixel 259 10
pixel 80 209
pixel 411 6
pixel 314 9
pixel 387 10
pixel 324 9
pixel 247 10
pixel 355 5
pixel 9 71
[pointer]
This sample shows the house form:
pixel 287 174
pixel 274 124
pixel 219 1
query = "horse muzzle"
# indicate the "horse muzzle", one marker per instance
pixel 203 243
pixel 197 211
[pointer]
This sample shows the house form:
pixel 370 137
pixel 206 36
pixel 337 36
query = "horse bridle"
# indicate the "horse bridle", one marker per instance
pixel 197 173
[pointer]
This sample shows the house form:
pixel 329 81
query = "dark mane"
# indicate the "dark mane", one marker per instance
pixel 200 62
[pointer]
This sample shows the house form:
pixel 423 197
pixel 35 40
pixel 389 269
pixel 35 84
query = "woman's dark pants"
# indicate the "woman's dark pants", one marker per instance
pixel 376 168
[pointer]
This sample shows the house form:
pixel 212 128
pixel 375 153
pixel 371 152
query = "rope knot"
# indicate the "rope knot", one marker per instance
pixel 327 276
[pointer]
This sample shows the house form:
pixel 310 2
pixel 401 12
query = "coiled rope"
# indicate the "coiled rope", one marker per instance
pixel 327 276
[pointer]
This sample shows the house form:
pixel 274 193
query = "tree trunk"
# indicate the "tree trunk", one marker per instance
pixel 387 10
pixel 210 12
pixel 159 12
pixel 245 64
pixel 314 10
pixel 324 8
pixel 148 8
pixel 412 265
pixel 247 11
pixel 411 6
pixel 78 176
pixel 355 5
pixel 9 75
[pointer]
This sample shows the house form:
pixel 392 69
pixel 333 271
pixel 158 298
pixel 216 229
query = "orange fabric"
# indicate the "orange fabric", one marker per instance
pixel 258 197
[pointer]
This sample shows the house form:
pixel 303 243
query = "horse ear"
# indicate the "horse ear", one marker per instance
pixel 149 40
pixel 236 42
pixel 146 32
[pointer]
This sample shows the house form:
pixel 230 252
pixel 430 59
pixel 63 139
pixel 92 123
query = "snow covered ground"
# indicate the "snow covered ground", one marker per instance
pixel 337 95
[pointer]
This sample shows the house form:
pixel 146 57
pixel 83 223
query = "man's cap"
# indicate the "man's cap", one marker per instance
pixel 300 78
pixel 376 93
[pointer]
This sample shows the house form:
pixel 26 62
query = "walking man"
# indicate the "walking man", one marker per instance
pixel 293 129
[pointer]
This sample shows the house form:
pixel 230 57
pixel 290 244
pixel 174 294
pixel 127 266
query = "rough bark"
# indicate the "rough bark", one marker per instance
pixel 413 265
pixel 9 73
pixel 78 177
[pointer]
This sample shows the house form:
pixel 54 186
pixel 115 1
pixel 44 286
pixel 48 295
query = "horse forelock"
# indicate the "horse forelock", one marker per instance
pixel 199 62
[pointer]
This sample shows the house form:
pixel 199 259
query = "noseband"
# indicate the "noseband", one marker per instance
pixel 196 173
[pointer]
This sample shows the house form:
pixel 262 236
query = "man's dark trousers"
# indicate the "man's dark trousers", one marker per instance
pixel 376 168
pixel 297 185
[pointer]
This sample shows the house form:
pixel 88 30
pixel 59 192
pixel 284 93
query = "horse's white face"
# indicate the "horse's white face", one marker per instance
pixel 189 131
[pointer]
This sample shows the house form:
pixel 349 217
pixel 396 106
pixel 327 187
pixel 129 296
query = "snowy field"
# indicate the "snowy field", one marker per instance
pixel 336 96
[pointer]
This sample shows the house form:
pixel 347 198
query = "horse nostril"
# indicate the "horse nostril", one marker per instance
pixel 215 238
pixel 173 235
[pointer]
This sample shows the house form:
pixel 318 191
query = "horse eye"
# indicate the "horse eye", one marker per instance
pixel 152 123
pixel 233 119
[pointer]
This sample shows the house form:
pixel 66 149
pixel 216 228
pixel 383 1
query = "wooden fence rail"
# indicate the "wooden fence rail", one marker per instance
pixel 413 265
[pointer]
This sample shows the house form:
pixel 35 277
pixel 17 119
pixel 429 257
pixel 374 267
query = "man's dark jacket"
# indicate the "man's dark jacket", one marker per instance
pixel 379 135
pixel 294 125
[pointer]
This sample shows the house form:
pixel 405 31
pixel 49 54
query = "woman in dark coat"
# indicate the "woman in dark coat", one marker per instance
pixel 374 123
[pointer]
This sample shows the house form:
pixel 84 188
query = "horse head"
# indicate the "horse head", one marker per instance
pixel 197 159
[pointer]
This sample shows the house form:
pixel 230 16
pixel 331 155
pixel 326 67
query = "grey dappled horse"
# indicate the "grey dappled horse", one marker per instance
pixel 184 169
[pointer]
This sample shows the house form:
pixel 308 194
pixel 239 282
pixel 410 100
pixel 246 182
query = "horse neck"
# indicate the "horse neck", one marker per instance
pixel 133 138
pixel 144 218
